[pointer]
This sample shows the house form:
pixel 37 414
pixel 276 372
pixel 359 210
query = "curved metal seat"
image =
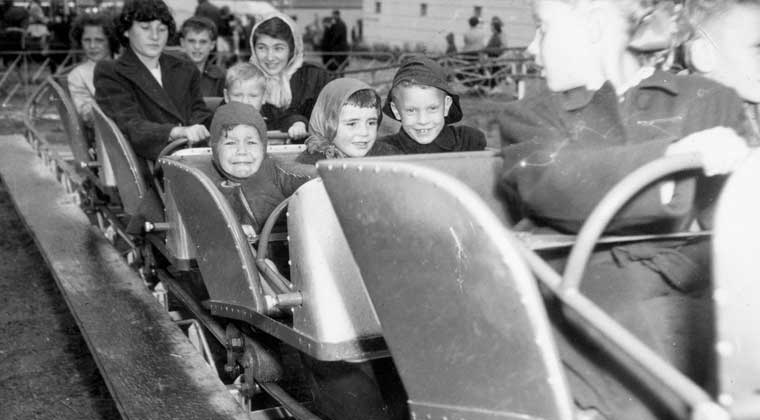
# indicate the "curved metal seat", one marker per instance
pixel 72 124
pixel 336 307
pixel 222 251
pixel 235 287
pixel 737 290
pixel 459 309
pixel 130 172
pixel 77 139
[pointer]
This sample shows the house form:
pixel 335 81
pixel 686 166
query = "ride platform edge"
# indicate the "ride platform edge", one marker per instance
pixel 151 369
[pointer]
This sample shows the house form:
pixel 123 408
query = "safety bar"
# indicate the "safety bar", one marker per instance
pixel 607 332
pixel 612 202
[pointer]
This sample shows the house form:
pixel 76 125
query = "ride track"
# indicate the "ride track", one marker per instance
pixel 153 371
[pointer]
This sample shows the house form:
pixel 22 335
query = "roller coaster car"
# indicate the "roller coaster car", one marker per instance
pixel 85 155
pixel 322 312
pixel 445 275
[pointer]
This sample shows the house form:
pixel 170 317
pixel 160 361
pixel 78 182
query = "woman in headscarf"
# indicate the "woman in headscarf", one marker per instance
pixel 344 123
pixel 292 85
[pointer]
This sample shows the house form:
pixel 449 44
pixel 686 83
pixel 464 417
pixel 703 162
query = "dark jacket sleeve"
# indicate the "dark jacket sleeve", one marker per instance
pixel 471 138
pixel 552 181
pixel 200 114
pixel 290 177
pixel 305 85
pixel 115 95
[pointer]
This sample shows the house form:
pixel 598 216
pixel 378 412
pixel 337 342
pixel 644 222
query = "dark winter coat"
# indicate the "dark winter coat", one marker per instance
pixel 378 149
pixel 144 110
pixel 212 81
pixel 453 138
pixel 306 83
pixel 263 191
pixel 562 153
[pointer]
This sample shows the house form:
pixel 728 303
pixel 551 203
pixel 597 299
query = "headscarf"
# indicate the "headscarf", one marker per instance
pixel 278 86
pixel 234 113
pixel 325 116
pixel 422 70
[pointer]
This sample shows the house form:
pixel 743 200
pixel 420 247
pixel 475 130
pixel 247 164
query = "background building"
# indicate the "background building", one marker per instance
pixel 311 12
pixel 426 22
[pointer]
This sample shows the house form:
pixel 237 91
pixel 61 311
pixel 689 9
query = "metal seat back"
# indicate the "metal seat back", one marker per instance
pixel 131 173
pixel 72 124
pixel 223 254
pixel 460 311
pixel 336 310
pixel 737 290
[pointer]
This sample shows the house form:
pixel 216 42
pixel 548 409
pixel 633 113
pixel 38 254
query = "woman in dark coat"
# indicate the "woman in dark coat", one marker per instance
pixel 292 85
pixel 152 97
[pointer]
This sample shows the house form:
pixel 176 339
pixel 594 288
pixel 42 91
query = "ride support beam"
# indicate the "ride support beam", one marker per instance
pixel 151 369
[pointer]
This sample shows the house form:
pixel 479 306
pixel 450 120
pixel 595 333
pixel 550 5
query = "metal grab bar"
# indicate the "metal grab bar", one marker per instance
pixel 615 199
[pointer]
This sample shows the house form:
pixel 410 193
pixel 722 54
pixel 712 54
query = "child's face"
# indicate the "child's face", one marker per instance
pixel 148 39
pixel 736 39
pixel 197 45
pixel 562 45
pixel 422 111
pixel 95 43
pixel 241 151
pixel 249 92
pixel 357 130
pixel 273 54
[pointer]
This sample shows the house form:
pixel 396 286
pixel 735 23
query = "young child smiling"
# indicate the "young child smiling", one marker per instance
pixel 421 99
pixel 344 123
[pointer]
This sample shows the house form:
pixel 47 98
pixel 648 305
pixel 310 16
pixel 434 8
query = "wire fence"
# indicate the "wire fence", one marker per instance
pixel 477 73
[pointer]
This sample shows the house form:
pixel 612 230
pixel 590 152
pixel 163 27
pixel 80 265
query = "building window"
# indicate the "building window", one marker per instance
pixel 423 9
pixel 378 7
pixel 477 11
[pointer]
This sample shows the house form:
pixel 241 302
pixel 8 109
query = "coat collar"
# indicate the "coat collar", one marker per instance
pixel 212 71
pixel 130 66
pixel 578 98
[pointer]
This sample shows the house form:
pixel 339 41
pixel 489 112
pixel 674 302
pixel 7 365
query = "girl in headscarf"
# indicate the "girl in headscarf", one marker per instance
pixel 344 123
pixel 292 85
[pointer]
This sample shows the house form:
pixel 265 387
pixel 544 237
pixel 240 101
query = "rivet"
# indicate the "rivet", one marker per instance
pixel 724 348
pixel 725 399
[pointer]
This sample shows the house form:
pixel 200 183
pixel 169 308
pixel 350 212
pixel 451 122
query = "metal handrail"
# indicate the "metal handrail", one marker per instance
pixel 615 199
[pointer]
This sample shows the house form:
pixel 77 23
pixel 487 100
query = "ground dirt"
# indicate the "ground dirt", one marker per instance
pixel 46 371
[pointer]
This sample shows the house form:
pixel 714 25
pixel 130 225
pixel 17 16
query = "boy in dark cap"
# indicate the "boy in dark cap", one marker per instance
pixel 421 99
pixel 252 182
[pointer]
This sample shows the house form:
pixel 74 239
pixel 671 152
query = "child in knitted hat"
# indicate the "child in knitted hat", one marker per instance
pixel 421 99
pixel 344 123
pixel 253 183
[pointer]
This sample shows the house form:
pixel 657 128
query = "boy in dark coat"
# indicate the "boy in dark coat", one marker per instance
pixel 198 39
pixel 421 99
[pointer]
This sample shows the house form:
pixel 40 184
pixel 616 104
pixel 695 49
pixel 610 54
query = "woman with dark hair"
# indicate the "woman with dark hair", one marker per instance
pixel 153 97
pixel 292 85
pixel 94 34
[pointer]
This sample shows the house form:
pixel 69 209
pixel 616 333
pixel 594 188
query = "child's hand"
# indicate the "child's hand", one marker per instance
pixel 193 133
pixel 719 148
pixel 297 131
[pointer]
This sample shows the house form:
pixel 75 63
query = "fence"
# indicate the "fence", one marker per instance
pixel 471 72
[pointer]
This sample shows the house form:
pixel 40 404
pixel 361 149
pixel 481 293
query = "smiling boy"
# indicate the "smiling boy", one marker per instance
pixel 421 99
pixel 198 38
